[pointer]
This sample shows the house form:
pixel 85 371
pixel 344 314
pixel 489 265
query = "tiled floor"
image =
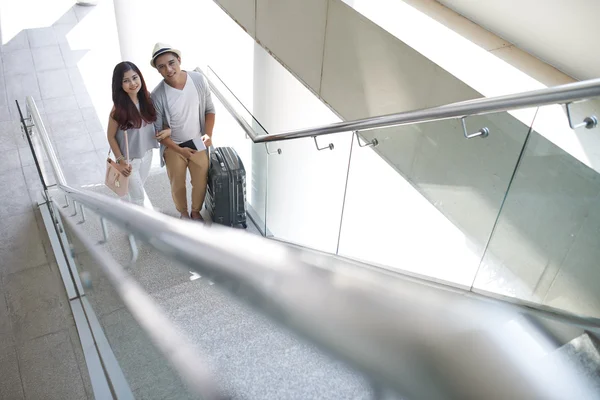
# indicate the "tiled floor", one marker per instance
pixel 40 353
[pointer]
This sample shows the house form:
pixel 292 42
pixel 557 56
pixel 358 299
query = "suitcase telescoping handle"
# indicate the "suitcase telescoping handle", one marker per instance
pixel 211 149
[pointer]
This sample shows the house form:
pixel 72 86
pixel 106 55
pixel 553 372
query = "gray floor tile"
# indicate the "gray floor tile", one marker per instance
pixel 92 120
pixel 32 177
pixel 9 130
pixel 68 17
pixel 6 335
pixel 58 104
pixel 66 116
pixel 152 271
pixel 18 62
pixel 49 368
pixel 82 11
pixel 254 357
pixel 26 156
pixel 84 100
pixel 61 32
pixel 20 86
pixel 84 169
pixel 100 143
pixel 66 125
pixel 164 385
pixel 3 95
pixel 17 88
pixel 18 42
pixel 11 387
pixel 75 146
pixel 101 294
pixel 40 37
pixel 70 56
pixel 77 80
pixel 21 139
pixel 47 58
pixel 54 84
pixel 17 229
pixel 137 356
pixel 14 195
pixel 37 303
pixel 5 112
pixel 67 130
pixel 10 161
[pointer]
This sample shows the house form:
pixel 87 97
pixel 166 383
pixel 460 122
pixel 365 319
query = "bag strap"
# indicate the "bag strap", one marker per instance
pixel 126 147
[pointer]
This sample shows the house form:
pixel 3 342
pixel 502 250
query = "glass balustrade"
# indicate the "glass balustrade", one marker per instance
pixel 254 156
pixel 545 248
pixel 510 214
pixel 424 199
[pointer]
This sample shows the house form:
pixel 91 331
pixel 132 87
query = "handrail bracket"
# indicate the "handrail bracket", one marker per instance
pixel 588 122
pixel 482 133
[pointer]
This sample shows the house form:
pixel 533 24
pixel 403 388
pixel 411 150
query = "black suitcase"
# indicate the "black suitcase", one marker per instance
pixel 226 192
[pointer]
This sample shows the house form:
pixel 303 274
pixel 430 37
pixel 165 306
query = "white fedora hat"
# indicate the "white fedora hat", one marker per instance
pixel 162 48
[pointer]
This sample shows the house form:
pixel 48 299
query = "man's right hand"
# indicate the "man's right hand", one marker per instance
pixel 186 152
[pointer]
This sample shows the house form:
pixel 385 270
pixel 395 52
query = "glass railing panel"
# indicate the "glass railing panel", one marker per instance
pixel 305 185
pixel 254 157
pixel 306 190
pixel 424 200
pixel 545 248
pixel 146 370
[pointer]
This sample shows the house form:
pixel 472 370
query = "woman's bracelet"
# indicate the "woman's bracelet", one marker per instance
pixel 119 159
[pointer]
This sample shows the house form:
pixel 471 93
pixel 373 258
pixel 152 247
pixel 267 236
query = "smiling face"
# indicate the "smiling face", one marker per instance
pixel 169 66
pixel 131 83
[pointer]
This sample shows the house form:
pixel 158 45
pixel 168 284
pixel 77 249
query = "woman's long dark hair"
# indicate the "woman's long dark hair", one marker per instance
pixel 126 113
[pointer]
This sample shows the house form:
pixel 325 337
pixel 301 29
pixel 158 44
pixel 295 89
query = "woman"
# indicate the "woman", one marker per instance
pixel 133 112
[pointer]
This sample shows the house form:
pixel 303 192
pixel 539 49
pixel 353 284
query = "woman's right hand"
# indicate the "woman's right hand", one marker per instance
pixel 165 133
pixel 125 169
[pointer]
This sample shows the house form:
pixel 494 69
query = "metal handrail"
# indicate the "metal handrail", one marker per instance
pixel 43 134
pixel 562 94
pixel 399 332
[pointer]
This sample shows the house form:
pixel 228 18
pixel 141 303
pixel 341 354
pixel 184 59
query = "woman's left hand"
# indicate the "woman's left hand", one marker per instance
pixel 165 133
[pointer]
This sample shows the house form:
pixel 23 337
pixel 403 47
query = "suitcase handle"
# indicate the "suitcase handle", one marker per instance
pixel 219 159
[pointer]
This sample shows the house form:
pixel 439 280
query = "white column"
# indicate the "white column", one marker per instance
pixel 133 25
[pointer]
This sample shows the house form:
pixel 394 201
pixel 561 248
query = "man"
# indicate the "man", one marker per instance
pixel 183 103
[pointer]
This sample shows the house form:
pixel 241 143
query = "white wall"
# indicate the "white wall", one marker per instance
pixel 305 186
pixel 562 33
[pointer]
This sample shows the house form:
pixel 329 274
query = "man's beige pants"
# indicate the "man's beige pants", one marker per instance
pixel 177 167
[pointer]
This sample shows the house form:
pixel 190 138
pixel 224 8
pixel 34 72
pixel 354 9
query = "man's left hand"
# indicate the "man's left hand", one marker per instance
pixel 207 141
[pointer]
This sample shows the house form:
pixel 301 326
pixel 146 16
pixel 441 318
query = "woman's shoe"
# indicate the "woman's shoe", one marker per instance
pixel 195 215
